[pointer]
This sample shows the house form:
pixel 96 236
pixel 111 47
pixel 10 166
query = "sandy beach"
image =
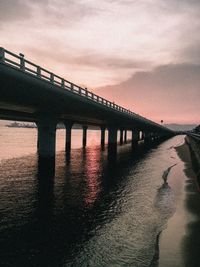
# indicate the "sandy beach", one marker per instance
pixel 179 243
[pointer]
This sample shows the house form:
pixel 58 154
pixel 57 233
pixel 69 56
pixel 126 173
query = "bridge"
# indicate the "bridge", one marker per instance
pixel 33 94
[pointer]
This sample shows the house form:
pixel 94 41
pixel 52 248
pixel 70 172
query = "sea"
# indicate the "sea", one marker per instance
pixel 90 210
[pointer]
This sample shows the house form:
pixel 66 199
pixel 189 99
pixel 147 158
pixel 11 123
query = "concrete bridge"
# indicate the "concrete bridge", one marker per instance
pixel 32 93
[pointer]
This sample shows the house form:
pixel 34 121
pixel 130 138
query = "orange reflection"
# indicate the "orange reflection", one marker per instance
pixel 93 179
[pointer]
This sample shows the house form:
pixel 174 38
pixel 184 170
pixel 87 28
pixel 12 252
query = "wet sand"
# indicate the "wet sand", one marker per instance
pixel 179 243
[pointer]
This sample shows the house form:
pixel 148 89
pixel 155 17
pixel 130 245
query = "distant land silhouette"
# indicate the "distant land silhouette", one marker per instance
pixel 20 124
pixel 172 126
pixel 180 127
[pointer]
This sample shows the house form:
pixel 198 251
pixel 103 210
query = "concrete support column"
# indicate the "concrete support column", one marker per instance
pixel 154 137
pixel 121 136
pixel 84 136
pixel 103 130
pixel 46 137
pixel 163 137
pixel 68 126
pixel 157 137
pixel 143 135
pixel 135 138
pixel 125 136
pixel 147 138
pixel 112 139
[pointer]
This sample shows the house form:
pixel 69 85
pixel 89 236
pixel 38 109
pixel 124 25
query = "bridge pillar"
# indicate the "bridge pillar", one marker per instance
pixel 163 137
pixel 155 137
pixel 135 138
pixel 84 141
pixel 68 126
pixel 112 139
pixel 147 138
pixel 103 130
pixel 46 137
pixel 121 136
pixel 125 136
pixel 143 136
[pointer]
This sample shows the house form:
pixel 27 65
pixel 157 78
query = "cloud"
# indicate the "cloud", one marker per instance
pixel 105 42
pixel 14 10
pixel 52 10
pixel 192 53
pixel 101 42
pixel 90 59
pixel 169 92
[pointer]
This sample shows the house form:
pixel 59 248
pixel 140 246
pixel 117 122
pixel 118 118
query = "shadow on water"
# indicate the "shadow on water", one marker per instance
pixel 66 210
pixel 45 178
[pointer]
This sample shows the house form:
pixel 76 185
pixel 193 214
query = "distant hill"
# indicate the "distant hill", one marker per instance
pixel 180 127
pixel 172 126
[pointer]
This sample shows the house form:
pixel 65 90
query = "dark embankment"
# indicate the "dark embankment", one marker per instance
pixel 194 145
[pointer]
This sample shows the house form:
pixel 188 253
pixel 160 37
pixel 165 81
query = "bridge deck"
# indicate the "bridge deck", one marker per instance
pixel 28 90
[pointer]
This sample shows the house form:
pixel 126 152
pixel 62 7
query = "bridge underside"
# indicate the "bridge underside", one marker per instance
pixel 25 97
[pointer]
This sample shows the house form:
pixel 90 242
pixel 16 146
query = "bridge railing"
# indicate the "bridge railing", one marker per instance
pixel 19 62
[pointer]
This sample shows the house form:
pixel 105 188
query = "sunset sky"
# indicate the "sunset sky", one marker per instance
pixel 144 55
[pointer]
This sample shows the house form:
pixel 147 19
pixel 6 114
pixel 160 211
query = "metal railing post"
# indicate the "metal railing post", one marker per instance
pixel 22 62
pixel 38 71
pixel 2 54
pixel 52 77
pixel 63 83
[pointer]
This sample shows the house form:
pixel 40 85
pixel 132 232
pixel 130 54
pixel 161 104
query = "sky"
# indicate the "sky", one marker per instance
pixel 144 54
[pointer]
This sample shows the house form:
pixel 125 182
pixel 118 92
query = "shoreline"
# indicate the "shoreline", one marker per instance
pixel 179 243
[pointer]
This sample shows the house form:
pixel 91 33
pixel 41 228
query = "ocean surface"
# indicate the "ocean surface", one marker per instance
pixel 92 211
